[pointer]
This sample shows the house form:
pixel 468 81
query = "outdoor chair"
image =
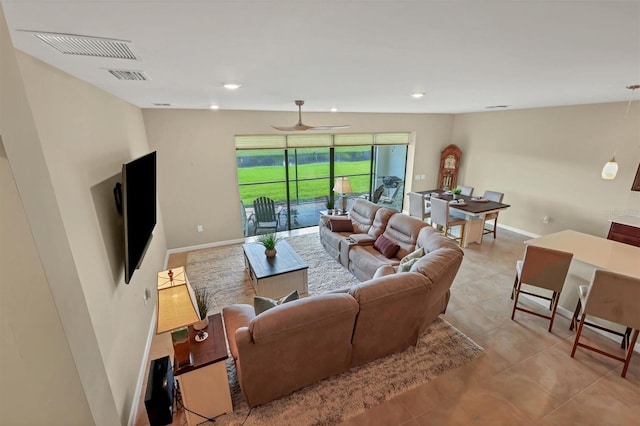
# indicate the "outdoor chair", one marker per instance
pixel 265 216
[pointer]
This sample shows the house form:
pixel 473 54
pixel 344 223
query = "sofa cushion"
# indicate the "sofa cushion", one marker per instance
pixel 362 214
pixel 338 225
pixel 404 230
pixel 261 303
pixel 386 246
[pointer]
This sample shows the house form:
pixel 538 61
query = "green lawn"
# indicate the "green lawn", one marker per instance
pixel 318 186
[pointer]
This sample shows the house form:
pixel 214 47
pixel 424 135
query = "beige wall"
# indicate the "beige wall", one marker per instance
pixel 548 161
pixel 63 138
pixel 197 167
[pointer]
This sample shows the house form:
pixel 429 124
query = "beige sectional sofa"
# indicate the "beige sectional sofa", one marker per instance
pixel 355 249
pixel 301 342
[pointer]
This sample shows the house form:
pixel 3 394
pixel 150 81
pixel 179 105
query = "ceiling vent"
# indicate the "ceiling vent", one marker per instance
pixel 71 44
pixel 161 105
pixel 129 75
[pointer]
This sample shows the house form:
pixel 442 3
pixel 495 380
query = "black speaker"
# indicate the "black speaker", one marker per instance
pixel 159 395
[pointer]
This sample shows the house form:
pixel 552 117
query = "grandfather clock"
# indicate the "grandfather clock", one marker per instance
pixel 449 164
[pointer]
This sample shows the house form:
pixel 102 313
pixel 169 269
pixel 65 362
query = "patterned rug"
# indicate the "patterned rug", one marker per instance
pixel 440 348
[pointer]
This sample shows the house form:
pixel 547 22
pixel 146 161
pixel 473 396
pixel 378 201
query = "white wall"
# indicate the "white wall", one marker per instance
pixel 548 162
pixel 197 165
pixel 63 139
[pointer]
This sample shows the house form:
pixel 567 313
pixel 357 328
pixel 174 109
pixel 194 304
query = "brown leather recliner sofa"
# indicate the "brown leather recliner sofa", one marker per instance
pixel 304 341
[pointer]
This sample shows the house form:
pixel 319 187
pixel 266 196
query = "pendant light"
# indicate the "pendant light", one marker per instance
pixel 610 170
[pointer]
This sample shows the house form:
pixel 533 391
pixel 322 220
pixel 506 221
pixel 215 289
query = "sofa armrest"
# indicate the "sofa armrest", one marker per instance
pixel 235 317
pixel 385 270
pixel 362 239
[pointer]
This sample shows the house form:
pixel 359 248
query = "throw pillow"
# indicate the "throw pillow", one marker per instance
pixel 340 225
pixel 414 255
pixel 387 247
pixel 261 303
pixel 406 266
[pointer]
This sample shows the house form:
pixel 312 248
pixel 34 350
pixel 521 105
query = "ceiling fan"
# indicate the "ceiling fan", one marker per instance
pixel 300 126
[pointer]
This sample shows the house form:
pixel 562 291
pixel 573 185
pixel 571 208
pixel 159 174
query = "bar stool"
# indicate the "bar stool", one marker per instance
pixel 613 297
pixel 544 268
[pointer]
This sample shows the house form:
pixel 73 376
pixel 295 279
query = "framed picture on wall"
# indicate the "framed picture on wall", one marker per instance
pixel 635 186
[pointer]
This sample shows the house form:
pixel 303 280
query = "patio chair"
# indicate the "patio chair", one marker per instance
pixel 265 216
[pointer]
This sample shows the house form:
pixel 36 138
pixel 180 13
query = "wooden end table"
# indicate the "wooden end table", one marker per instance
pixel 204 384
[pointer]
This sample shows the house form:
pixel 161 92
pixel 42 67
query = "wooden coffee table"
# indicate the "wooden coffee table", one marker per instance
pixel 277 276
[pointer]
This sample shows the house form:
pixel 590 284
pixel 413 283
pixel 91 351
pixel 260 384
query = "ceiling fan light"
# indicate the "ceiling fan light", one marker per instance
pixel 610 170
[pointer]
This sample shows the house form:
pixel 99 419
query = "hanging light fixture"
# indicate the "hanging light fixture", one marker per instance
pixel 610 170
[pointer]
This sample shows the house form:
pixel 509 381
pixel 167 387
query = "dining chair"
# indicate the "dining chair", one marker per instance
pixel 465 190
pixel 497 197
pixel 265 216
pixel 419 206
pixel 613 297
pixel 543 268
pixel 440 217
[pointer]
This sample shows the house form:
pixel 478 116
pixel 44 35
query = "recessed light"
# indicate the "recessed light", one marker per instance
pixel 417 95
pixel 231 86
pixel 214 107
pixel 334 109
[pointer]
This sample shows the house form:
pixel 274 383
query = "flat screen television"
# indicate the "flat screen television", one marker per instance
pixel 137 202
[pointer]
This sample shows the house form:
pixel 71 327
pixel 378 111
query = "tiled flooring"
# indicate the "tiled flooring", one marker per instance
pixel 526 375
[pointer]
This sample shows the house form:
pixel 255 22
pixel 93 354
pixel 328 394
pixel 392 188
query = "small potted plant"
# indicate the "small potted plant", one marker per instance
pixel 202 300
pixel 269 241
pixel 456 192
pixel 329 205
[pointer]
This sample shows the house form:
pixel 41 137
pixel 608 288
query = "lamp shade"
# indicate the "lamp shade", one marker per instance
pixel 342 186
pixel 610 170
pixel 176 301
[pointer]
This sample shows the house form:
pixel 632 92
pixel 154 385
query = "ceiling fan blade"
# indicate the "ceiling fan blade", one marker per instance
pixel 301 127
pixel 343 126
pixel 297 127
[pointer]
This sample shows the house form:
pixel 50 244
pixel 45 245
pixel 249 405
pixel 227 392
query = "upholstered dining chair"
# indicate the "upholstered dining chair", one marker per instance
pixel 543 268
pixel 440 217
pixel 497 197
pixel 419 206
pixel 265 216
pixel 613 297
pixel 465 190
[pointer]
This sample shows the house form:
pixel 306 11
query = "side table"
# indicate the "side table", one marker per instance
pixel 204 385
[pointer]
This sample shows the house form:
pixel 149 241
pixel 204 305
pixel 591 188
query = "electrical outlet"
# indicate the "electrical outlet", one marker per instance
pixel 199 228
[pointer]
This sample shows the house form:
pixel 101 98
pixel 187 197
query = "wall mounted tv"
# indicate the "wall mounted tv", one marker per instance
pixel 136 200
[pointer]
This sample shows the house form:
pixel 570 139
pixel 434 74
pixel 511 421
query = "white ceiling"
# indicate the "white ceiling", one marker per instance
pixel 358 55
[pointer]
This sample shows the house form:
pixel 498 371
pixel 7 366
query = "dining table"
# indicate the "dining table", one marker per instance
pixel 473 209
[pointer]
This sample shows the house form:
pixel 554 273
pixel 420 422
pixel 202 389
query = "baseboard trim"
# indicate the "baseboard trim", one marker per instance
pixel 143 369
pixel 201 246
pixel 518 231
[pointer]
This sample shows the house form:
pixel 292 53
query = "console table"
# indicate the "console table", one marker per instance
pixel 204 384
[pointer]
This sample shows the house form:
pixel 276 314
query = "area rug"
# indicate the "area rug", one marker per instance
pixel 440 348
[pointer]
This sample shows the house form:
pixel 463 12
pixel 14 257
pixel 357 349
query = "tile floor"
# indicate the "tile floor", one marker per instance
pixel 525 377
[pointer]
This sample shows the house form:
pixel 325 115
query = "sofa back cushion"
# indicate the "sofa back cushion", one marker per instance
pixel 404 230
pixel 431 240
pixel 362 215
pixel 310 336
pixel 392 311
pixel 380 222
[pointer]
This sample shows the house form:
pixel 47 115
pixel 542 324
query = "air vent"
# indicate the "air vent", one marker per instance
pixel 496 106
pixel 71 44
pixel 129 75
pixel 162 105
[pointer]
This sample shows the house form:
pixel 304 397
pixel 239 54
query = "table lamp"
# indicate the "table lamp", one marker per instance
pixel 343 186
pixel 177 309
